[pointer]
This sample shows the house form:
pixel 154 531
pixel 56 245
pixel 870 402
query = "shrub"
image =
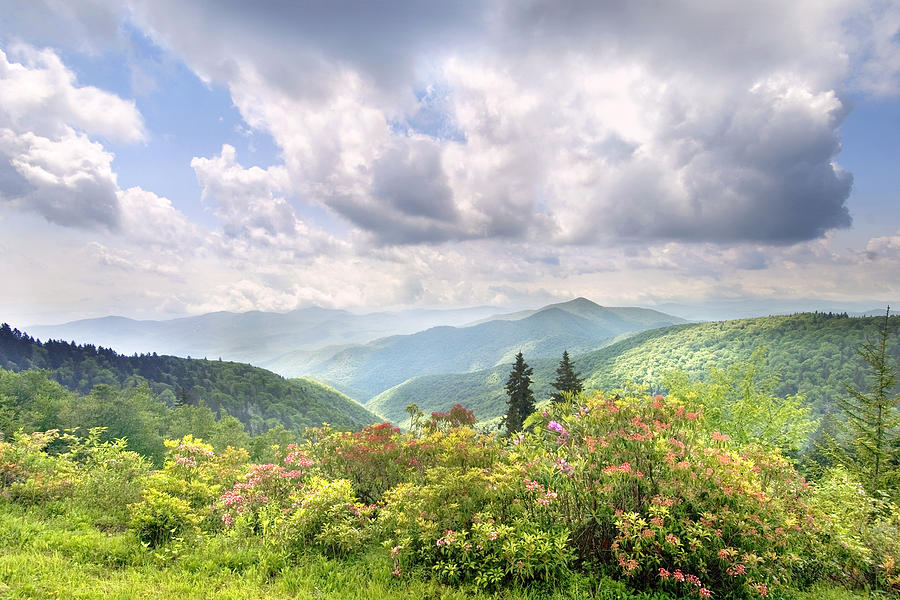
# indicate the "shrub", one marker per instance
pixel 28 475
pixel 651 495
pixel 160 518
pixel 860 541
pixel 195 474
pixel 486 526
pixel 325 515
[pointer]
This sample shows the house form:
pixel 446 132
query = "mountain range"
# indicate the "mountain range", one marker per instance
pixel 349 352
pixel 253 337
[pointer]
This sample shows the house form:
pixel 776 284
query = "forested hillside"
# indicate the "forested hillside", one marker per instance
pixel 813 354
pixel 577 326
pixel 258 398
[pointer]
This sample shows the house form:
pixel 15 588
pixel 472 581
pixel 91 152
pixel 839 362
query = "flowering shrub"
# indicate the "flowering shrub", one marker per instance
pixel 649 493
pixel 485 526
pixel 194 474
pixel 374 459
pixel 264 489
pixel 29 475
pixel 324 515
pixel 380 457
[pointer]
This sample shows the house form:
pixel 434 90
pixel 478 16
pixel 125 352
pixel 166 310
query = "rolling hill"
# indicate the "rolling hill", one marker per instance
pixel 577 326
pixel 260 399
pixel 814 354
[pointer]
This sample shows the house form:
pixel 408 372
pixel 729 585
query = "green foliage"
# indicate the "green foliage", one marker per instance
pixel 869 421
pixel 567 381
pixel 474 525
pixel 625 496
pixel 814 356
pixel 863 532
pixel 653 496
pixel 159 518
pixel 521 398
pixel 740 401
pixel 325 516
pixel 258 398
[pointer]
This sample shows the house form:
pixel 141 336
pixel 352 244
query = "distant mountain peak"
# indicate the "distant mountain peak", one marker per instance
pixel 579 301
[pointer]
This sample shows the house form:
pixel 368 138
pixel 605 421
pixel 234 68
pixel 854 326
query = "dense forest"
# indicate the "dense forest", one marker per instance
pixel 258 399
pixel 811 354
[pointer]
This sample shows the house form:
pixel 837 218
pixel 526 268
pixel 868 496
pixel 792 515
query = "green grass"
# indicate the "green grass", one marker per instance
pixel 48 555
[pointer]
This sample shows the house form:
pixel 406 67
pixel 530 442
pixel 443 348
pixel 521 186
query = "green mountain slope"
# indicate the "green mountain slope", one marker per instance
pixel 814 354
pixel 258 398
pixel 576 326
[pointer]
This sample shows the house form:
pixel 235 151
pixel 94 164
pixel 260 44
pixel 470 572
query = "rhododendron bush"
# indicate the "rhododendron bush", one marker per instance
pixel 645 489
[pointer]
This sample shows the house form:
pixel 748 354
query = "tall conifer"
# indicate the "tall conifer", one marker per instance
pixel 521 399
pixel 566 379
pixel 871 419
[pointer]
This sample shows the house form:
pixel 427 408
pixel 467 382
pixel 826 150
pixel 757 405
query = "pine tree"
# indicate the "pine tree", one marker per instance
pixel 521 398
pixel 871 418
pixel 566 379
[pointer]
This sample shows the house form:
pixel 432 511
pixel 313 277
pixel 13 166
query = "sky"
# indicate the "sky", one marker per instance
pixel 161 158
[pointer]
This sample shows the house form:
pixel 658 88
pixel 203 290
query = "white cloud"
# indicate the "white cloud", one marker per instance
pixel 560 121
pixel 251 205
pixel 40 95
pixel 67 180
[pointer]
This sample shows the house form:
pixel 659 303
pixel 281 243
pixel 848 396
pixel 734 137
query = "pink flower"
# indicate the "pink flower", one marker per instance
pixel 663 573
pixel 704 593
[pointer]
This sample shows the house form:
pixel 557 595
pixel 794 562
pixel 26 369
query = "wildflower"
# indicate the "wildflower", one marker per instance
pixel 663 573
pixel 554 426
pixel 704 593
pixel 671 538
pixel 678 575
pixel 227 519
pixel 564 466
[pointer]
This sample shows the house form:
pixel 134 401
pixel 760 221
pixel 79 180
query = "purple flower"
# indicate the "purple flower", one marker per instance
pixel 554 426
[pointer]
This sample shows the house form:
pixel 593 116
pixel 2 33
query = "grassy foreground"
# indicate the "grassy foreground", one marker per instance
pixel 46 553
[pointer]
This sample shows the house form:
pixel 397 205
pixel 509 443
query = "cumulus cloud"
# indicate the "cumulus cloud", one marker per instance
pixel 68 180
pixel 40 95
pixel 573 122
pixel 48 164
pixel 884 247
pixel 252 208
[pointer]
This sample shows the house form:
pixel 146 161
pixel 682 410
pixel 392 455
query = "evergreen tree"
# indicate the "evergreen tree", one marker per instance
pixel 566 379
pixel 871 422
pixel 521 398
